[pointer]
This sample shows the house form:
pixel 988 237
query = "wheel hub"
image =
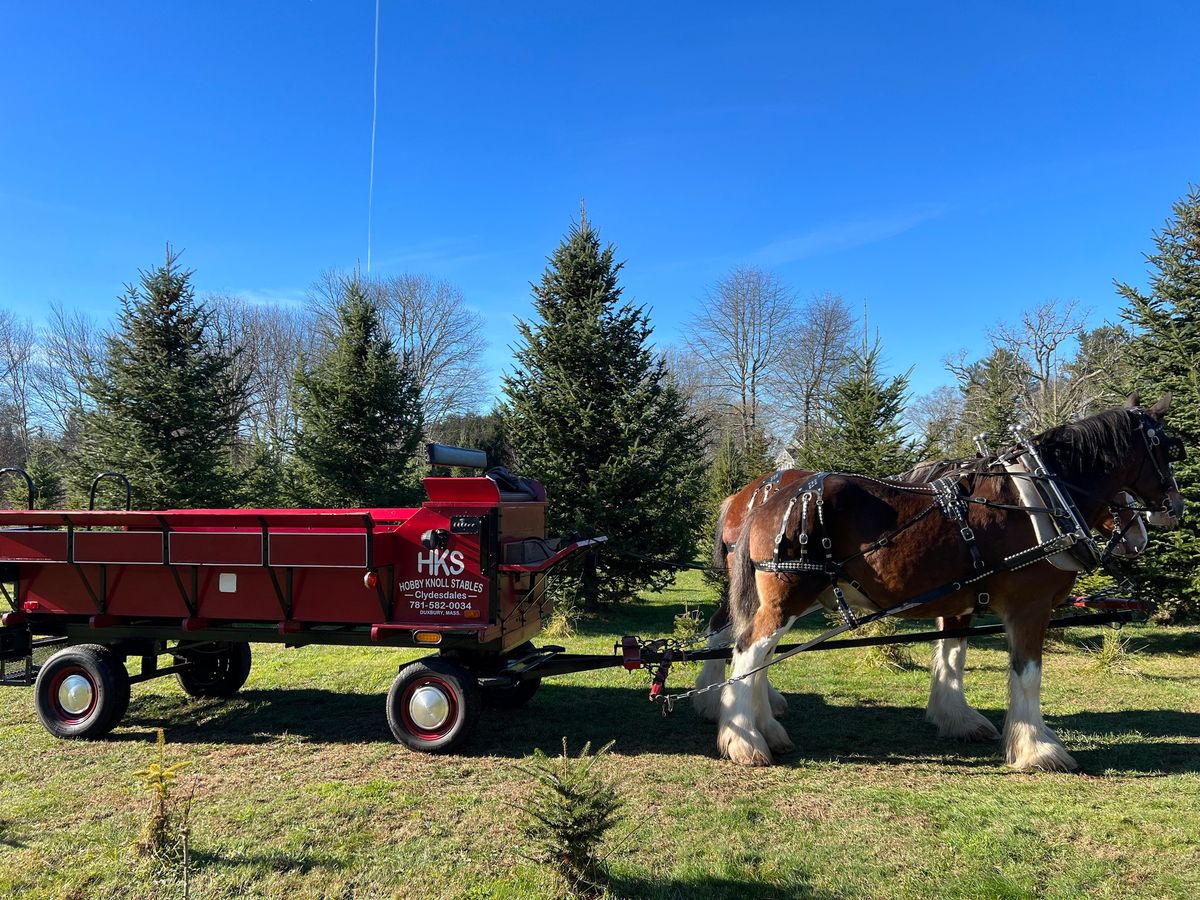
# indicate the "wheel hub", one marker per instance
pixel 429 707
pixel 75 694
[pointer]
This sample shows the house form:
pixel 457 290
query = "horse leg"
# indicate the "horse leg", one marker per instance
pixel 738 735
pixel 764 711
pixel 1028 743
pixel 708 704
pixel 948 708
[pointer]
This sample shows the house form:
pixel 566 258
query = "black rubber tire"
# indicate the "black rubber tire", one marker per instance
pixel 516 695
pixel 103 673
pixel 218 669
pixel 458 689
pixel 511 696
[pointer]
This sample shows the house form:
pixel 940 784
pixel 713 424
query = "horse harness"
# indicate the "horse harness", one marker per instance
pixel 950 499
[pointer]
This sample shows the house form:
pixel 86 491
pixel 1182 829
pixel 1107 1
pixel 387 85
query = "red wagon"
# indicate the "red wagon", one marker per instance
pixel 463 574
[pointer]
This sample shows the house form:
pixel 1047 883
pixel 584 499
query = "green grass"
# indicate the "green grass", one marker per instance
pixel 301 791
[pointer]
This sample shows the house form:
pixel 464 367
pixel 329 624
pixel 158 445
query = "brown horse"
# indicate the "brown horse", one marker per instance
pixel 885 544
pixel 948 709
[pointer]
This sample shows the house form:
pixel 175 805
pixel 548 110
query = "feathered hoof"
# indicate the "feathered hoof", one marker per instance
pixel 777 737
pixel 779 704
pixel 965 725
pixel 745 749
pixel 1040 756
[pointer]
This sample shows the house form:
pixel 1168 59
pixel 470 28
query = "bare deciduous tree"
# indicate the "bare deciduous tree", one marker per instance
pixel 71 342
pixel 273 339
pixel 816 354
pixel 740 334
pixel 17 342
pixel 1043 342
pixel 434 329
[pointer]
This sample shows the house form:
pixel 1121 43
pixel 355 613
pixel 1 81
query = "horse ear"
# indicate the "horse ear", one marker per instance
pixel 1160 408
pixel 1133 401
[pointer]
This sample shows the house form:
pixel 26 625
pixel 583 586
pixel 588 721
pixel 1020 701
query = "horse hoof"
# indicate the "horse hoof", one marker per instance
pixel 779 704
pixel 1043 756
pixel 985 732
pixel 964 725
pixel 745 751
pixel 777 738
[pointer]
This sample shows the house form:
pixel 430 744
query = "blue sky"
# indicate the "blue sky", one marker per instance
pixel 951 164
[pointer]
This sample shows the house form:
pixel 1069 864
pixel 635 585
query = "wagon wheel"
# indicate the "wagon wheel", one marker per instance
pixel 82 692
pixel 517 694
pixel 433 704
pixel 217 669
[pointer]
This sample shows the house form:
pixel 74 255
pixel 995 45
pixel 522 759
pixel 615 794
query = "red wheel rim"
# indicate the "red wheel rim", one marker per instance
pixel 63 714
pixel 446 692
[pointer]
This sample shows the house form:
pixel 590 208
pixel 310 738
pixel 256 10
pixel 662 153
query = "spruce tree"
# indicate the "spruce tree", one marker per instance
pixel 166 399
pixel 866 434
pixel 591 413
pixel 727 476
pixel 1166 355
pixel 359 413
pixel 992 398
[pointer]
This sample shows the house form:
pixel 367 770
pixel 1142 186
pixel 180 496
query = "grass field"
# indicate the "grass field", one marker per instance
pixel 301 791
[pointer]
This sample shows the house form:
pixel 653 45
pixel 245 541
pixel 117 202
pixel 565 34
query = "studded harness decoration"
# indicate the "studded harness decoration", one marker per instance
pixel 947 497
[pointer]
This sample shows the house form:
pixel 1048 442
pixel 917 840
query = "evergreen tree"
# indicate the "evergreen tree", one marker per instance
pixel 476 432
pixel 1166 352
pixel 992 390
pixel 866 432
pixel 591 413
pixel 727 476
pixel 359 413
pixel 167 401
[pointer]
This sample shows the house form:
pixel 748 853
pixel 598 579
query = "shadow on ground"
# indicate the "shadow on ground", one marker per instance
pixel 710 887
pixel 1146 741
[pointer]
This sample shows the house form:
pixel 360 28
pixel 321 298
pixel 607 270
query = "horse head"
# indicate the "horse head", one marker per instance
pixel 1153 481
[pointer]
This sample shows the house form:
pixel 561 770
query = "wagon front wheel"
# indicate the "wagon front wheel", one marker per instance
pixel 433 705
pixel 216 669
pixel 81 692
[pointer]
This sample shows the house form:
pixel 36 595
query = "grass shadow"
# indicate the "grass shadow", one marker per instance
pixel 874 732
pixel 710 887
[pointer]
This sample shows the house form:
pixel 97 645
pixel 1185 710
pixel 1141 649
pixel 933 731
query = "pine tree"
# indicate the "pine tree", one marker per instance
pixel 992 391
pixel 1166 355
pixel 591 413
pixel 866 435
pixel 727 476
pixel 359 413
pixel 167 402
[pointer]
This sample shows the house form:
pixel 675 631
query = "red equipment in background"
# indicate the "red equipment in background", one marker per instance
pixel 465 573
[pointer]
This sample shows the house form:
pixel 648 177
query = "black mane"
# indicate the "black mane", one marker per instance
pixel 1103 441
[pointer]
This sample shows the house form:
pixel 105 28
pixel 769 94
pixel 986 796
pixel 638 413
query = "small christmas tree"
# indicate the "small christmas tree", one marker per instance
pixel 167 401
pixel 359 412
pixel 866 433
pixel 591 413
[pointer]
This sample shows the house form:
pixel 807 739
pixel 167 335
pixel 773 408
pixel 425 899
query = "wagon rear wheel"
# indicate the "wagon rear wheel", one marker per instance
pixel 433 705
pixel 82 692
pixel 216 669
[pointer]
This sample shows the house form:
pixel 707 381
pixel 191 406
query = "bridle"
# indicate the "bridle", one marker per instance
pixel 1154 436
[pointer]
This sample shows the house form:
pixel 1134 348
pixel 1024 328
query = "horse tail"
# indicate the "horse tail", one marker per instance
pixel 743 589
pixel 720 548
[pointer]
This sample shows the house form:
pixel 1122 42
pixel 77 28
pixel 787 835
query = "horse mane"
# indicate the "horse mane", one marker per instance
pixel 1101 441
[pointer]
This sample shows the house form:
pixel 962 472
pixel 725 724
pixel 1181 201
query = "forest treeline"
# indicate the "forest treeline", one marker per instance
pixel 215 401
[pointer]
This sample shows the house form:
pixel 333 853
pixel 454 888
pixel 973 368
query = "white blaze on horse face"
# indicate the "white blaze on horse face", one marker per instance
pixel 1028 743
